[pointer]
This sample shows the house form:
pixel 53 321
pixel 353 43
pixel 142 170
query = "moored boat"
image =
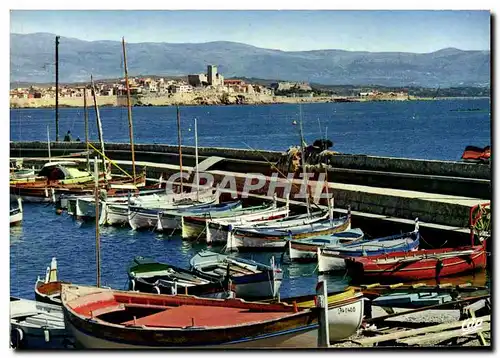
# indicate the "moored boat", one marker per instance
pixel 37 325
pixel 48 290
pixel 270 238
pixel 250 278
pixel 418 265
pixel 16 213
pixel 104 318
pixel 195 226
pixel 172 219
pixel 333 258
pixel 220 231
pixel 144 214
pixel 345 311
pixel 476 154
pixel 411 299
pixel 305 250
pixel 148 275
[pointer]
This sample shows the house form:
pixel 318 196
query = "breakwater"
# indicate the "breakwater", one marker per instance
pixel 383 196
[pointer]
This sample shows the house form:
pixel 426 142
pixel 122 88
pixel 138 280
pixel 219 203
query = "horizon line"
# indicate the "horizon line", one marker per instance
pixel 246 44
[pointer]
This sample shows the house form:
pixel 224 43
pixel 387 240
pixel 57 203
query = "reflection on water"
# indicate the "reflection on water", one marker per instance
pixel 16 234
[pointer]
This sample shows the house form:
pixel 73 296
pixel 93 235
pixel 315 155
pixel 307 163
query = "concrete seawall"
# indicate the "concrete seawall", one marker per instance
pixel 347 161
pixel 400 207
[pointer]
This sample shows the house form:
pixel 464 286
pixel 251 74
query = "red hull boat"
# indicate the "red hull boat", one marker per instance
pixel 417 265
pixel 476 154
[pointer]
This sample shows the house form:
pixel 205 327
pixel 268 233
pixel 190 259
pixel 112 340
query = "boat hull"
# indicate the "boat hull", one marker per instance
pixel 36 325
pixel 105 318
pixel 241 240
pixel 302 252
pixel 329 262
pixel 216 234
pixel 345 318
pixel 16 218
pixel 304 338
pixel 261 285
pixel 198 228
pixel 117 215
pixel 397 267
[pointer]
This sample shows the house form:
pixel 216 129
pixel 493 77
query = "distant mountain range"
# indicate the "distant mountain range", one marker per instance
pixel 32 60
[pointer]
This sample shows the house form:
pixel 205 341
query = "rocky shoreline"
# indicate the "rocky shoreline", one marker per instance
pixel 185 100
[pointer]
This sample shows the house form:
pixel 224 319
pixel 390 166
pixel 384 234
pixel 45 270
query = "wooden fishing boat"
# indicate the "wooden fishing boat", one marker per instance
pixel 193 227
pixel 22 174
pixel 117 191
pixel 104 318
pixel 476 154
pixel 418 265
pixel 305 250
pixel 171 219
pixel 16 213
pixel 59 177
pixel 151 276
pixel 117 213
pixel 59 173
pixel 345 311
pixel 333 258
pixel 48 290
pixel 116 194
pixel 275 239
pixel 250 278
pixel 411 299
pixel 217 230
pixel 148 218
pixel 220 230
pixel 37 325
pixel 144 214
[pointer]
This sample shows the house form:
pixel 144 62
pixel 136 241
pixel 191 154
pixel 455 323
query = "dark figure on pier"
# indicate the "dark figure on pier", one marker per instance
pixel 67 137
pixel 77 139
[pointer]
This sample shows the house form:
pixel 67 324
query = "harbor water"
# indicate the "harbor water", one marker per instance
pixel 44 234
pixel 408 129
pixel 414 129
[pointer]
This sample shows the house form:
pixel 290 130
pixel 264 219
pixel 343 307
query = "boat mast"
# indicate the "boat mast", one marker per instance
pixel 48 143
pixel 57 88
pixel 304 163
pixel 196 159
pixel 86 118
pixel 329 200
pixel 180 145
pixel 129 109
pixel 99 127
pixel 97 239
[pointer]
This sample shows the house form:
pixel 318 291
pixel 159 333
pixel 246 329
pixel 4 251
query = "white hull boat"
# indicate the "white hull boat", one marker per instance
pixel 16 213
pixel 37 325
pixel 217 230
pixel 306 249
pixel 333 258
pixel 270 238
pixel 250 278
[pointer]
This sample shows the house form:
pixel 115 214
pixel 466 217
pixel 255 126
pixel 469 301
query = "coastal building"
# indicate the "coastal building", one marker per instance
pixel 198 80
pixel 291 86
pixel 214 78
pixel 181 88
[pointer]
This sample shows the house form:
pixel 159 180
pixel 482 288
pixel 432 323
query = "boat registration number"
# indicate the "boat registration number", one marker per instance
pixel 342 310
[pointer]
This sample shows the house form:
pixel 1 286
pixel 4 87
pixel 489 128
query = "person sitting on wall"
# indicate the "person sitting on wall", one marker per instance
pixel 67 137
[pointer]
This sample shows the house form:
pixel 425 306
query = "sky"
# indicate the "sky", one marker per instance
pixel 418 31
